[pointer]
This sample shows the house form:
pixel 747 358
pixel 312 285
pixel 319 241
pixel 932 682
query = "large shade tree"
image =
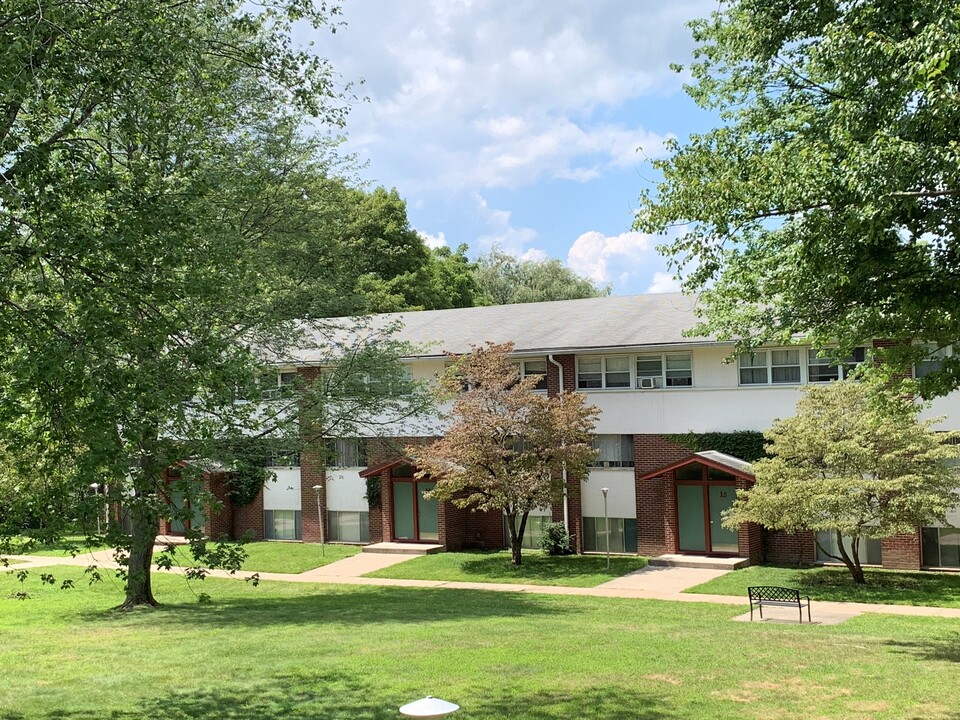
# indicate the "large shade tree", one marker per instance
pixel 827 202
pixel 503 279
pixel 150 157
pixel 854 462
pixel 508 449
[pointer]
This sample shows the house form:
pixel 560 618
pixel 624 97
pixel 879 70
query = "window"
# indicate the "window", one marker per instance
pixel 348 526
pixel 346 452
pixel 869 549
pixel 764 367
pixel 274 385
pixel 825 369
pixel 531 533
pixel 615 451
pixel 933 362
pixel 664 370
pixel 282 525
pixel 623 534
pixel 595 373
pixel 281 457
pixel 941 547
pixel 535 367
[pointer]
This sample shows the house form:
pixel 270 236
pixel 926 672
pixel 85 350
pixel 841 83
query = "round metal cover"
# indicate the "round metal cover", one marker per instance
pixel 429 707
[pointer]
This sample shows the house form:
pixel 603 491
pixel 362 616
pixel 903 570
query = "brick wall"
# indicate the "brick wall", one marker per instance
pixel 312 473
pixel 656 502
pixel 248 519
pixel 902 552
pixel 789 548
pixel 483 529
pixel 219 521
pixel 568 362
pixel 749 535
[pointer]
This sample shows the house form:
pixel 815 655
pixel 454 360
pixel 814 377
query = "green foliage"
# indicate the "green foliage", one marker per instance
pixel 502 279
pixel 855 461
pixel 745 444
pixel 555 540
pixel 827 203
pixel 373 492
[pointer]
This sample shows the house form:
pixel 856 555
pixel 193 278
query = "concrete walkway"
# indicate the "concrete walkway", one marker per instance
pixel 651 583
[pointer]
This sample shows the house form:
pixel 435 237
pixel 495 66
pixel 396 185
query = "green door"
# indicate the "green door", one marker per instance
pixel 427 517
pixel 404 523
pixel 721 539
pixel 690 514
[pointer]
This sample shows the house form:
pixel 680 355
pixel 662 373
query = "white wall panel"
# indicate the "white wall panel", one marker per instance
pixel 284 492
pixel 346 490
pixel 621 500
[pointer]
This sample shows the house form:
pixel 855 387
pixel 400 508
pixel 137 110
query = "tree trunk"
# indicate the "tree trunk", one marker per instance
pixel 853 564
pixel 516 536
pixel 145 525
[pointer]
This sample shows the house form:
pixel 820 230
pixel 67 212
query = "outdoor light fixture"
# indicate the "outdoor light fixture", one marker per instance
pixel 319 490
pixel 606 522
pixel 429 707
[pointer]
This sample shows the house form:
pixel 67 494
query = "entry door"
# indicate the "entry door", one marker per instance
pixel 698 518
pixel 415 519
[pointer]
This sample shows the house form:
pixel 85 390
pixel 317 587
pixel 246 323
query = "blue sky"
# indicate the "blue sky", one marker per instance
pixel 518 122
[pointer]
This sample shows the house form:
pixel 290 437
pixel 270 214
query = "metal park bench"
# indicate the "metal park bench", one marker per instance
pixel 773 596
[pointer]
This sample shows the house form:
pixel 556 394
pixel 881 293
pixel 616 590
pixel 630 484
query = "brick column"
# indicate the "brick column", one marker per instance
pixel 656 500
pixel 386 506
pixel 902 552
pixel 312 473
pixel 568 362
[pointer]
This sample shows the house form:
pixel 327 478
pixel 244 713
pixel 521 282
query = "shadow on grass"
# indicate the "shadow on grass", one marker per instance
pixel 945 649
pixel 338 696
pixel 882 586
pixel 496 566
pixel 354 606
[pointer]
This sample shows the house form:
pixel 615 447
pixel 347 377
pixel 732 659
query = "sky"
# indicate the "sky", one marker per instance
pixel 522 124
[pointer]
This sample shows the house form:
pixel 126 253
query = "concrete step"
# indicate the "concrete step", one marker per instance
pixel 400 548
pixel 700 562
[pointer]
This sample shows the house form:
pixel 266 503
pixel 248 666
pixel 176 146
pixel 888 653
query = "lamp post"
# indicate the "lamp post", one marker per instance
pixel 319 490
pixel 429 707
pixel 95 487
pixel 606 522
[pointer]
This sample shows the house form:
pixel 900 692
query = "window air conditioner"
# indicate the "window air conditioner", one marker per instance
pixel 647 383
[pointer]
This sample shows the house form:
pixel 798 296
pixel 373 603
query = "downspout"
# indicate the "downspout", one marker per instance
pixel 566 503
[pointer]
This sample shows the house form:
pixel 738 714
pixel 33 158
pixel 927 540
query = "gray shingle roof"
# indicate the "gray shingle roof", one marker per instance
pixel 594 323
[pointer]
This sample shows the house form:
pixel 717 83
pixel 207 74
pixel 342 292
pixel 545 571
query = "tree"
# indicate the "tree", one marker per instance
pixel 827 203
pixel 508 448
pixel 854 461
pixel 149 153
pixel 503 279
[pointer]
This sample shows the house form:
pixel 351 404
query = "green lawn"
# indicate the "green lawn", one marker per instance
pixel 495 567
pixel 286 651
pixel 281 557
pixel 72 545
pixel 832 583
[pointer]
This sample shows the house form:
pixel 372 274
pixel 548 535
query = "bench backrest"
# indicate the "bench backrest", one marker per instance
pixel 773 592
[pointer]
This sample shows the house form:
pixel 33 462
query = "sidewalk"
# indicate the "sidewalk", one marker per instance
pixel 650 583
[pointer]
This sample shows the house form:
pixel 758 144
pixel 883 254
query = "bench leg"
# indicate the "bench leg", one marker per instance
pixel 808 612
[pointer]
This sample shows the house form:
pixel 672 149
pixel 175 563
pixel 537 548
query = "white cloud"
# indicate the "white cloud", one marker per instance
pixel 664 282
pixel 502 234
pixel 593 254
pixel 433 241
pixel 506 92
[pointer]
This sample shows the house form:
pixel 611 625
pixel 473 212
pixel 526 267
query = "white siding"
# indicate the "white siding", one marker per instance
pixel 346 490
pixel 284 492
pixel 621 500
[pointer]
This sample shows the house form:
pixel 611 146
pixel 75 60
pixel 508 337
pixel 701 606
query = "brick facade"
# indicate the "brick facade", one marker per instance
pixel 656 503
pixel 789 548
pixel 902 552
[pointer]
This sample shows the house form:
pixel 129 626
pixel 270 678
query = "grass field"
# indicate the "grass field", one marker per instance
pixel 282 557
pixel 70 546
pixel 833 583
pixel 285 651
pixel 495 567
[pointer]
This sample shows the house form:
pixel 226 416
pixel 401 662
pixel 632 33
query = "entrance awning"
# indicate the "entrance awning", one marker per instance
pixel 710 458
pixel 381 468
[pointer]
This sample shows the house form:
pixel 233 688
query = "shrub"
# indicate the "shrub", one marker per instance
pixel 555 540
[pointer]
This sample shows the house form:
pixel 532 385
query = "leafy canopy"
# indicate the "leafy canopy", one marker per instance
pixel 502 279
pixel 854 461
pixel 507 447
pixel 828 201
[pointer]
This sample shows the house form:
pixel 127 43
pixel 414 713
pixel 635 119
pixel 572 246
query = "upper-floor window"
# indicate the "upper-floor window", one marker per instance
pixel 765 367
pixel 346 452
pixel 825 369
pixel 595 373
pixel 526 368
pixel 933 362
pixel 664 370
pixel 274 385
pixel 281 457
pixel 615 451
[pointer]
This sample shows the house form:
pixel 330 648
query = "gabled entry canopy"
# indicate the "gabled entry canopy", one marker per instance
pixel 379 469
pixel 712 459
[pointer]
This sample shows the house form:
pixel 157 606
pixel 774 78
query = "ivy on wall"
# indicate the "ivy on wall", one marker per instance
pixel 373 491
pixel 744 444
